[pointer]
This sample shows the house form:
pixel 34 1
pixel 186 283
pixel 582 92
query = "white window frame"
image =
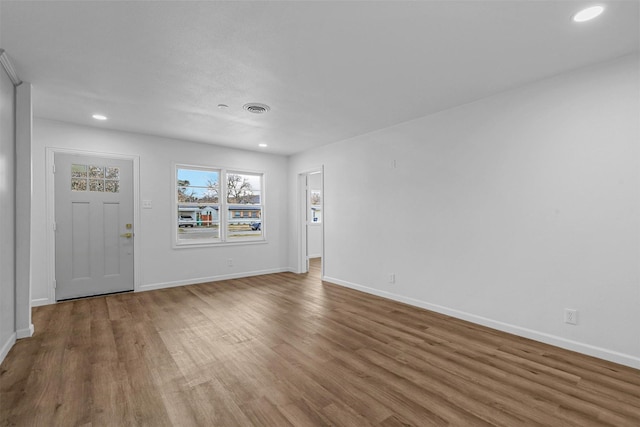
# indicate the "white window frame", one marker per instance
pixel 223 209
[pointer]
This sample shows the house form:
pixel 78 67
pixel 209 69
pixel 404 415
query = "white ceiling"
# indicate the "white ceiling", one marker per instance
pixel 329 70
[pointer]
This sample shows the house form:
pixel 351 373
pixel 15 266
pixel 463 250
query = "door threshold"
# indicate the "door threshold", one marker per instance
pixel 94 296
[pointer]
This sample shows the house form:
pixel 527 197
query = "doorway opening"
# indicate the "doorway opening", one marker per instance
pixel 311 221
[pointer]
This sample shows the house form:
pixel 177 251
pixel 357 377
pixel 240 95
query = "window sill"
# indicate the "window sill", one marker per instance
pixel 218 244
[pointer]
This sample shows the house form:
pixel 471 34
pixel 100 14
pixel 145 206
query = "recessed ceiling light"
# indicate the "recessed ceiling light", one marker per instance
pixel 222 106
pixel 588 14
pixel 99 117
pixel 262 145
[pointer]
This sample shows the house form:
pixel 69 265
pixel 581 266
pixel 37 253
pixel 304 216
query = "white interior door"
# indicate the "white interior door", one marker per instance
pixel 94 233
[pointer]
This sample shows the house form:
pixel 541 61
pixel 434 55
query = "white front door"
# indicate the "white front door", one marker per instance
pixel 94 225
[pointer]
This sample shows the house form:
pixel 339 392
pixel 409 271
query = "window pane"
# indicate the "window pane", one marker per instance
pixel 198 178
pixel 96 185
pixel 78 184
pixel 78 171
pixel 198 222
pixel 96 172
pixel 198 210
pixel 244 222
pixel 112 186
pixel 198 186
pixel 112 173
pixel 244 188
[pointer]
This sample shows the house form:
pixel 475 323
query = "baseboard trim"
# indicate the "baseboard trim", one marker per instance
pixel 40 301
pixel 46 301
pixel 6 347
pixel 218 278
pixel 25 333
pixel 590 350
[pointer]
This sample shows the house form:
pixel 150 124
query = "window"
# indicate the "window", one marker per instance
pixel 244 203
pixel 100 178
pixel 207 214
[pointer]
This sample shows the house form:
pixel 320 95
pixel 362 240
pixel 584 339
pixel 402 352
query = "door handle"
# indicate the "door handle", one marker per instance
pixel 127 235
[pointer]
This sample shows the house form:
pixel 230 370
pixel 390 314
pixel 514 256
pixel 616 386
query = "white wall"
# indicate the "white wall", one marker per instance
pixel 514 208
pixel 160 265
pixel 7 214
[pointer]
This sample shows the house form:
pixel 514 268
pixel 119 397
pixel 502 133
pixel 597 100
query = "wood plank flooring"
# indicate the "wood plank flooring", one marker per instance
pixel 288 350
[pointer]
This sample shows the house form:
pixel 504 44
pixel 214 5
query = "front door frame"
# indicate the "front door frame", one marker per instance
pixel 50 208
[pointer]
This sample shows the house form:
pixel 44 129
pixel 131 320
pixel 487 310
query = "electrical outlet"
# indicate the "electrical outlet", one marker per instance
pixel 570 316
pixel 392 278
pixel 230 262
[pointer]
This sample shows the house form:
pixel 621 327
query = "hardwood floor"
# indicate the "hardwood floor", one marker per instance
pixel 286 349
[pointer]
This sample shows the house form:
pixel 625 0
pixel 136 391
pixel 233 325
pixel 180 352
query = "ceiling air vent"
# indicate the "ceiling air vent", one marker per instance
pixel 256 108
